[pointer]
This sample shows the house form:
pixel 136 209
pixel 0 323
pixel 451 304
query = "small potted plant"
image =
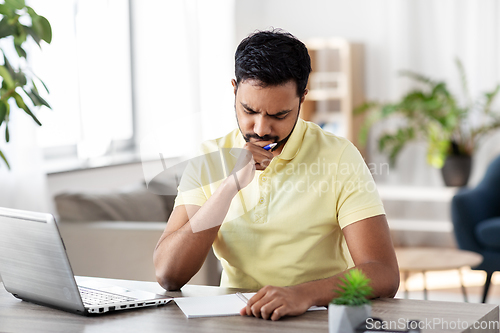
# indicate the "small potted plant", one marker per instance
pixel 352 306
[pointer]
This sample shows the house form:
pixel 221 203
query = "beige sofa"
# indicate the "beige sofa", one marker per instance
pixel 114 234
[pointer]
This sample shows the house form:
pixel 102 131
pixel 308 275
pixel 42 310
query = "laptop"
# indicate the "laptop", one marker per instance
pixel 34 267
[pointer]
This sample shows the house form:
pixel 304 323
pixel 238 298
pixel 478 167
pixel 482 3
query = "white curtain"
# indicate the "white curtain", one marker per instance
pixel 25 185
pixel 183 56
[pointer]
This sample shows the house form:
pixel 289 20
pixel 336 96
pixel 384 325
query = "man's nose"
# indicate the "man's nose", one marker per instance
pixel 262 126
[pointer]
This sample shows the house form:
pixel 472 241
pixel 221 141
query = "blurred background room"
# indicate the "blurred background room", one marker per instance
pixel 135 86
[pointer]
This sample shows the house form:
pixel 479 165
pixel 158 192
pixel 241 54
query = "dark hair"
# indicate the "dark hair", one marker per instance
pixel 273 57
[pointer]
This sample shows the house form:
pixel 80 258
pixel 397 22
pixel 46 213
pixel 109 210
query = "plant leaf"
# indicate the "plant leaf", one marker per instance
pixel 7 134
pixel 8 79
pixel 47 30
pixel 33 30
pixel 41 26
pixel 365 107
pixel 33 34
pixel 417 77
pixel 5 10
pixel 8 66
pixel 43 84
pixel 31 12
pixel 16 4
pixel 35 98
pixel 3 111
pixel 5 28
pixel 394 143
pixel 438 145
pixel 355 289
pixel 4 159
pixel 20 35
pixel 22 105
pixel 490 98
pixel 20 51
pixel 21 78
pixel 32 97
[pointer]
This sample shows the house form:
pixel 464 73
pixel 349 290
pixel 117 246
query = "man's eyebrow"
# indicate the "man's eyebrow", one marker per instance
pixel 276 114
pixel 282 112
pixel 247 107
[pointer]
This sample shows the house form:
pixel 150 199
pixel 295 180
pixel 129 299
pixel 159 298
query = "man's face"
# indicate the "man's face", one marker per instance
pixel 266 114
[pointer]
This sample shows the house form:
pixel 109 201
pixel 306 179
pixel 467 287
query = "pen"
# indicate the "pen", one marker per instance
pixel 242 297
pixel 270 146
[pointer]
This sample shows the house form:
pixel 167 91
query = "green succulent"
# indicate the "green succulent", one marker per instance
pixel 432 113
pixel 354 290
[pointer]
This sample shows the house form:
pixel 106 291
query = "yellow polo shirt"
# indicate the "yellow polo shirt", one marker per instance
pixel 285 228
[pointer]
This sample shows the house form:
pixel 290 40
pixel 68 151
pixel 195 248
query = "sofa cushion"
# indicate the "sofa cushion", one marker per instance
pixel 488 233
pixel 129 204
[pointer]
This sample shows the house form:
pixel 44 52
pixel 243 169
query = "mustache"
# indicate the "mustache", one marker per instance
pixel 263 138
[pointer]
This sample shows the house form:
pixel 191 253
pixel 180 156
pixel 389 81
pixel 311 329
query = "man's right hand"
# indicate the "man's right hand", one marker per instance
pixel 253 157
pixel 261 156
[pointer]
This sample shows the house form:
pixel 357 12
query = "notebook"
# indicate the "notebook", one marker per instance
pixel 34 267
pixel 217 306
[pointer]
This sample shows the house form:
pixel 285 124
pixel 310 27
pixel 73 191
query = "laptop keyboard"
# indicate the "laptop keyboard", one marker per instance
pixel 98 297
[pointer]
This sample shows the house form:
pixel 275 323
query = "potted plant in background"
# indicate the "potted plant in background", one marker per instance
pixel 351 307
pixel 18 89
pixel 433 114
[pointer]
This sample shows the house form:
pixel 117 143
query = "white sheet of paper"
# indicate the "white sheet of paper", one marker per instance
pixel 211 306
pixel 216 306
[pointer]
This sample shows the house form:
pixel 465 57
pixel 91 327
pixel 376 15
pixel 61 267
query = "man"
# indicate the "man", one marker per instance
pixel 278 220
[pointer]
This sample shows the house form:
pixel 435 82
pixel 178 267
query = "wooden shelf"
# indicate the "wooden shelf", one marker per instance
pixel 335 86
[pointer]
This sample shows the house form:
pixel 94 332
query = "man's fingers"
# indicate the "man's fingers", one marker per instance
pixel 255 299
pixel 267 310
pixel 275 302
pixel 243 312
pixel 262 165
pixel 278 313
pixel 261 156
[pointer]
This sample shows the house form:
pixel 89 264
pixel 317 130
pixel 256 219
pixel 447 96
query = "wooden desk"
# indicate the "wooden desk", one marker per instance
pixel 18 316
pixel 425 259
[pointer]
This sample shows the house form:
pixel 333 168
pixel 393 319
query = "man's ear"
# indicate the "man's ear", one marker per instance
pixel 303 98
pixel 235 86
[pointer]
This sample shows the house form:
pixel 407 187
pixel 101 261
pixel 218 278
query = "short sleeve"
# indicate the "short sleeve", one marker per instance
pixel 357 195
pixel 190 190
pixel 202 175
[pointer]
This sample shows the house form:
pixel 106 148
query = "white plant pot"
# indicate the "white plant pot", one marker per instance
pixel 345 319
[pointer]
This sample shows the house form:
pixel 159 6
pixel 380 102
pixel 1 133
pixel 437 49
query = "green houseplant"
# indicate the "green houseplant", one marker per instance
pixel 18 24
pixel 352 306
pixel 433 114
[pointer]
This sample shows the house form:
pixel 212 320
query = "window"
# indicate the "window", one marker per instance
pixel 109 94
pixel 87 69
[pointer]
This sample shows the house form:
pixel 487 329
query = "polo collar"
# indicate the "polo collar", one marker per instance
pixel 292 146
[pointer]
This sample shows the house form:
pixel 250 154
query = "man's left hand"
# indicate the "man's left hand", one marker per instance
pixel 275 302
